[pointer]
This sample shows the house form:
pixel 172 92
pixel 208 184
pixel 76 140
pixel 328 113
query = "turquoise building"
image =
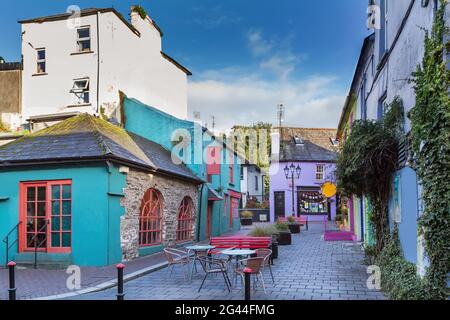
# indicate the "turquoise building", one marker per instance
pixel 210 157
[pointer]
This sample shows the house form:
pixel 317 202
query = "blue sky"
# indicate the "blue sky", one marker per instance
pixel 246 55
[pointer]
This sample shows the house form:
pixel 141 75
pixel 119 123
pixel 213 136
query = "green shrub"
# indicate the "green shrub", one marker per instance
pixel 263 231
pixel 140 10
pixel 281 226
pixel 399 279
pixel 291 219
pixel 246 214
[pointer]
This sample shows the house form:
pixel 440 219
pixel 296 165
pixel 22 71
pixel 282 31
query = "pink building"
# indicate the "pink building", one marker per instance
pixel 312 153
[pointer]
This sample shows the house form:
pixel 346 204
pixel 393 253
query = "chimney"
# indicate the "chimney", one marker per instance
pixel 275 150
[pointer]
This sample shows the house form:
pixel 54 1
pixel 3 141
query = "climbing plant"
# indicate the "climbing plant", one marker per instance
pixel 140 10
pixel 430 121
pixel 368 161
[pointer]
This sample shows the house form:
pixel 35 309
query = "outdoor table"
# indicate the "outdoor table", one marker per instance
pixel 236 253
pixel 196 249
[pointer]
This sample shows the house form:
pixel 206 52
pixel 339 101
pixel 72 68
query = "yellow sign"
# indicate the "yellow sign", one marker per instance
pixel 329 189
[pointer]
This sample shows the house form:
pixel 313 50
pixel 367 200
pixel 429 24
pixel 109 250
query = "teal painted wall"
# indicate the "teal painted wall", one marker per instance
pixel 159 127
pixel 95 214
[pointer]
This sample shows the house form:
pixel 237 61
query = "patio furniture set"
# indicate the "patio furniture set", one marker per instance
pixel 222 256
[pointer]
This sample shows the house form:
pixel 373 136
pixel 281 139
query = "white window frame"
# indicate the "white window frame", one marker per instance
pixel 79 40
pixel 38 61
pixel 80 91
pixel 320 174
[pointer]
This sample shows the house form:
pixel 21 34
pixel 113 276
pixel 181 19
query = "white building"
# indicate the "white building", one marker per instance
pixel 73 65
pixel 385 70
pixel 252 183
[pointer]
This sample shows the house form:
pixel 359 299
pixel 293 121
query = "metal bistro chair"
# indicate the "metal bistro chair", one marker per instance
pixel 214 266
pixel 266 254
pixel 177 257
pixel 256 265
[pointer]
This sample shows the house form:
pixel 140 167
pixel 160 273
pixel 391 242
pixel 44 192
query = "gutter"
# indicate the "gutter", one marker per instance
pixel 98 62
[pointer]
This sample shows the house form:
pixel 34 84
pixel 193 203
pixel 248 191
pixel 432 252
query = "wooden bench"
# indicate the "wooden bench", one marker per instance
pixel 303 220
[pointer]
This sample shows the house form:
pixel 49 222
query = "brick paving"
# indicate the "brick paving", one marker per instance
pixel 309 269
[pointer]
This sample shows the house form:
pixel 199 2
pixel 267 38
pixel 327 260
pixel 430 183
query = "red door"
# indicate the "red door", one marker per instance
pixel 46 216
pixel 208 221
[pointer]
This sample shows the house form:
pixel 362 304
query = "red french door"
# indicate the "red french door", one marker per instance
pixel 46 216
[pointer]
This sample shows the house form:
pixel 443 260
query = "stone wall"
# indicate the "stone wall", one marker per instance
pixel 173 192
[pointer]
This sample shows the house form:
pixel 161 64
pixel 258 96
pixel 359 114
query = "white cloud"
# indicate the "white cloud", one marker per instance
pixel 243 96
pixel 309 102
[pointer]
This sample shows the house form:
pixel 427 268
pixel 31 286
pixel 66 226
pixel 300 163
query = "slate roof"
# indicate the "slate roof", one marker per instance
pixel 317 145
pixel 86 137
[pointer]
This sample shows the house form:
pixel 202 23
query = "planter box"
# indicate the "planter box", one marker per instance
pixel 246 221
pixel 294 228
pixel 284 238
pixel 259 215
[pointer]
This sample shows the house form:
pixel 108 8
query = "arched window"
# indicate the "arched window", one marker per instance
pixel 151 218
pixel 185 220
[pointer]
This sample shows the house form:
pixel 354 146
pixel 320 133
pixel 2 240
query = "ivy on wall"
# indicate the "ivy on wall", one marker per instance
pixel 367 163
pixel 430 120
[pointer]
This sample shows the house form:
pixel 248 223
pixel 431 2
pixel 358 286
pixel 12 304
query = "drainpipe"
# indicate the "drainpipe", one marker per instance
pixel 200 212
pixel 98 62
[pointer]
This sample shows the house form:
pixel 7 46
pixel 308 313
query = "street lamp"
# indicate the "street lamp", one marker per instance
pixel 292 172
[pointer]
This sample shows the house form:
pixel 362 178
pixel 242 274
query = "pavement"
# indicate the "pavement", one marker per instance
pixel 309 269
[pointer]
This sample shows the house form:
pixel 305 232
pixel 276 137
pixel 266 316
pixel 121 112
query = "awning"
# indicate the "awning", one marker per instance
pixel 213 195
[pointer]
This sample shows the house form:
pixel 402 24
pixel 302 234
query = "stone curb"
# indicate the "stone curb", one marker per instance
pixel 107 284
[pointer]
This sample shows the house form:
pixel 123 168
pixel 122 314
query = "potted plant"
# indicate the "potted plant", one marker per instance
pixel 294 227
pixel 284 235
pixel 338 219
pixel 267 231
pixel 246 218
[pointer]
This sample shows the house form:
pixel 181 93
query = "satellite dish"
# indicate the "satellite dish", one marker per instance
pixel 329 189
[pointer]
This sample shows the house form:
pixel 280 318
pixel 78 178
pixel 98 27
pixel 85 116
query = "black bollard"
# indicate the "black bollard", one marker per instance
pixel 247 284
pixel 120 294
pixel 12 281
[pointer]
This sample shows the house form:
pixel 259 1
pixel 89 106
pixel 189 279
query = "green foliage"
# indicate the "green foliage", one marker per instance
pixel 430 119
pixel 140 10
pixel 399 279
pixel 246 214
pixel 338 217
pixel 3 127
pixel 291 219
pixel 281 226
pixel 263 231
pixel 368 161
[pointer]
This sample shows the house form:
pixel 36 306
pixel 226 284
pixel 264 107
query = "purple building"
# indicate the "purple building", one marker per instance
pixel 310 156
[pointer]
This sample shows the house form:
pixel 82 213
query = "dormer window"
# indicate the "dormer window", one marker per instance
pixel 80 91
pixel 84 39
pixel 299 141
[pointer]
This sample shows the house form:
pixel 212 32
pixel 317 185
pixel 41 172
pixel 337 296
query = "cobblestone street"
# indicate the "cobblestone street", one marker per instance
pixel 308 269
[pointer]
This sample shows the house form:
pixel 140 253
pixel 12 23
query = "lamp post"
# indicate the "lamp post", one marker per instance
pixel 291 172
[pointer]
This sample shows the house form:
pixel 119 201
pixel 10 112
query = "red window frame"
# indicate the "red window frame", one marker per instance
pixel 185 224
pixel 58 222
pixel 213 161
pixel 151 218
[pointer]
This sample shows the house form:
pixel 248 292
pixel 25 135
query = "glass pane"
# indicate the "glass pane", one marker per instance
pixel 66 224
pixel 41 224
pixel 56 224
pixel 66 242
pixel 30 225
pixel 83 33
pixel 41 54
pixel 55 208
pixel 41 240
pixel 66 207
pixel 41 209
pixel 41 193
pixel 66 191
pixel 30 209
pixel 31 194
pixel 56 239
pixel 84 45
pixel 41 67
pixel 30 240
pixel 56 192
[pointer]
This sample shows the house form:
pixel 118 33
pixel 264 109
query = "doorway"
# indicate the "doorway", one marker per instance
pixel 279 199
